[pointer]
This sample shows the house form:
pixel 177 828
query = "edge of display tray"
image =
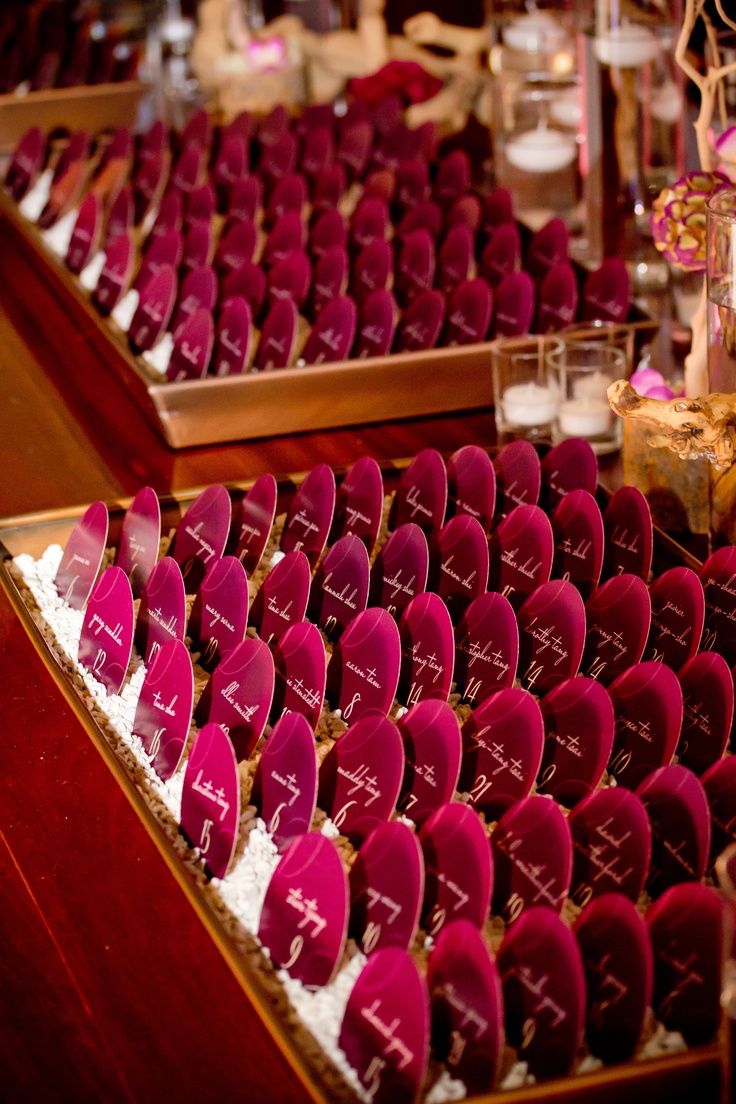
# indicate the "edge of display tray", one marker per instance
pixel 700 1073
pixel 85 107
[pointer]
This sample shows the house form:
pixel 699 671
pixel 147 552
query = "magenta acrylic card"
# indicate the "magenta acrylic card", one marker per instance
pixel 486 648
pixel 201 535
pixel 354 147
pixel 376 327
pixel 193 344
pixel 333 333
pixel 234 339
pixel 310 514
pixel 612 845
pixel 569 466
pixel 386 888
pixel 288 236
pixel 164 251
pixel 467 1007
pixel 467 210
pixel 121 216
pixel 82 556
pixel 502 254
pixel 380 184
pixel 186 172
pixel 471 485
pixel 548 247
pixel 117 272
pixel 278 158
pixel 149 183
pixel 421 323
pixel 154 310
pixel 400 569
pixel 238 695
pixel 199 246
pixel 708 709
pixel 502 750
pixel 198 131
pixel 219 615
pixel 289 194
pixel 455 259
pixel 369 222
pixel 558 299
pixel 461 564
pixel 162 611
pixel 106 640
pixel 543 986
pixel 372 270
pixel 578 738
pixel 86 234
pixel 247 282
pixel 304 918
pixel 427 650
pixel 415 266
pixel 290 278
pixel 329 230
pixel 237 246
pixel 281 600
pixel 627 521
pixel 360 777
pixel 425 215
pixel 514 305
pixel 229 169
pixel 328 188
pixel 577 528
pixel 421 496
pixel 359 503
pixel 678 615
pixel 618 617
pixel 607 292
pixel 619 975
pixel 301 670
pixel 717 577
pixel 363 672
pixel 412 182
pixel 329 278
pixel 520 553
pixel 246 199
pixel 25 163
pixel 339 590
pixel 140 535
pixel 453 178
pixel 518 477
pixel 285 783
pixel 719 783
pixel 170 216
pixel 458 868
pixel 318 151
pixel 210 800
pixel 551 635
pixel 432 750
pixel 198 289
pixel 252 520
pixel 278 337
pixel 532 858
pixel 678 811
pixel 164 711
pixel 469 312
pixel 385 1029
pixel 647 701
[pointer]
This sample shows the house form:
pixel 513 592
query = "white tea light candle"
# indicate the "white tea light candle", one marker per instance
pixel 528 404
pixel 541 150
pixel 584 418
pixel 626 47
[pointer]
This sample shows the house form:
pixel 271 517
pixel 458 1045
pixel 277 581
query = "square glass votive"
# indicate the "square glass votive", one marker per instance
pixel 579 375
pixel 525 404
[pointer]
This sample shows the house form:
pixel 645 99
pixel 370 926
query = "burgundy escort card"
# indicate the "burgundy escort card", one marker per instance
pixel 329 277
pixel 412 182
pixel 502 750
pixel 318 150
pixel 201 535
pixel 229 169
pixel 421 323
pixel 285 783
pixel 612 845
pixel 520 552
pixel 198 289
pixel 187 170
pixel 455 259
pixel 154 309
pixel 193 345
pixel 363 672
pixel 162 612
pixel 287 236
pixel 422 493
pixel 381 184
pixel 678 614
pixel 400 569
pixel 627 522
pixel 359 503
pixel 719 783
pixel 458 869
pixel 290 278
pixel 83 552
pixel 532 858
pixel 679 814
pixel 386 888
pixel 551 635
pixel 607 292
pixel 453 178
pixel 301 670
pixel 149 183
pixel 246 199
pixel 219 615
pixel 65 194
pixel 619 975
pixel 543 985
pixel 278 337
pixel 370 221
pixel 328 188
pixel 467 1007
pixel 467 211
pixel 25 163
pixel 278 158
pixel 354 147
pixel 415 267
pixel 198 131
pixel 578 730
pixel 647 701
pixel 432 750
pixel 333 333
pixel 310 514
pixel 460 564
pixel 377 323
pixel 339 589
pixel 385 1029
pixel 304 917
pixel 106 640
pixel 170 216
pixel 427 650
pixel 558 299
pixel 121 216
pixel 718 576
pixel 164 710
pixel 514 305
pixel 210 800
pixel 252 520
pixel 164 251
pixel 618 618
pixel 329 230
pixel 238 695
pixel 548 247
pixel 234 338
pixel 85 235
pixel 360 777
pixel 281 600
pixel 117 272
pixel 686 927
pixel 486 648
pixel 577 528
pixel 518 477
pixel 569 466
pixel 237 246
pixel 289 194
pixel 497 208
pixel 471 485
pixel 502 253
pixel 139 539
pixel 425 215
pixel 199 246
pixel 469 312
pixel 708 710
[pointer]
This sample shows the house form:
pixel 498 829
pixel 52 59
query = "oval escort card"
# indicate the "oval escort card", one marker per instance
pixel 164 710
pixel 627 522
pixel 376 325
pixel 467 1009
pixel 412 182
pixel 415 267
pixel 248 281
pixel 106 640
pixel 170 216
pixel 281 600
pixel 285 783
pixel 520 554
pixel 569 466
pixel 467 211
pixel 543 986
pixel 578 738
pixel 86 234
pixel 607 292
pixel 385 1029
pixel 577 528
pixel 162 611
pixel 679 814
pixel 139 539
pixel 117 272
pixel 518 477
pixel 502 749
pixel 497 208
pixel 359 503
pixel 329 278
pixel 647 701
pixel 427 650
pixel 333 333
pixel 329 230
pixel 469 312
pixel 82 556
pixel 199 247
pixel 201 535
pixel 339 588
pixel 198 289
pixel 458 869
pixel 558 299
pixel 708 709
pixel 301 671
pixel 455 259
pixel 719 783
pixel 278 337
pixel 461 560
pixel 149 183
pixel 219 615
pixel 246 199
pixel 238 695
pixel 252 520
pixel 288 236
pixel 718 576
pixel 304 918
pixel 486 648
pixel 363 672
pixel 421 496
pixel 471 485
pixel 514 305
pixel 612 845
pixel 318 150
pixel 234 340
pixel 167 249
pixel 618 618
pixel 310 514
pixel 193 345
pixel 372 270
pixel 360 777
pixel 354 147
pixel 421 323
pixel 551 636
pixel 386 888
pixel 532 858
pixel 25 164
pixel 502 253
pixel 120 218
pixel 432 752
pixel 210 800
pixel 400 569
pixel 678 615
pixel 236 248
pixel 289 194
pixel 154 309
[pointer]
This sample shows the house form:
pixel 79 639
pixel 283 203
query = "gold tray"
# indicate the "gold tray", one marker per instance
pixel 90 107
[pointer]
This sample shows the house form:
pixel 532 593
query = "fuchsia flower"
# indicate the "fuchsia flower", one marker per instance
pixel 678 218
pixel 408 78
pixel 725 148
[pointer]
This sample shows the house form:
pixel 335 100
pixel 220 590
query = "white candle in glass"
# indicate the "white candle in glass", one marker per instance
pixel 541 150
pixel 534 32
pixel 584 418
pixel 628 46
pixel 528 404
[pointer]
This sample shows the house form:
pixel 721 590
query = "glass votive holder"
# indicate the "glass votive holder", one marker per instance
pixel 525 403
pixel 579 375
